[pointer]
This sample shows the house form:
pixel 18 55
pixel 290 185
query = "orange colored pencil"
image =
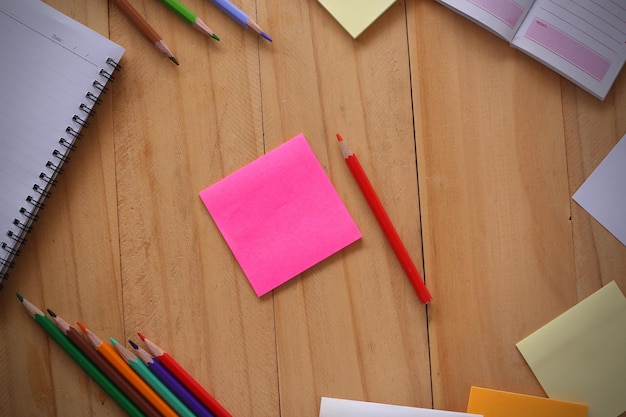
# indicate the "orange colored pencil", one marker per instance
pixel 122 367
pixel 385 222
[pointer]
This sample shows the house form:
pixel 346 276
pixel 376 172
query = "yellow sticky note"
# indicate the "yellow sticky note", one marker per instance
pixel 581 355
pixel 356 15
pixel 494 403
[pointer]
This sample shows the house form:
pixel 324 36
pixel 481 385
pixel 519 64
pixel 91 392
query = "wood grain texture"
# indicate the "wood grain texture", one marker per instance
pixel 334 337
pixel 474 148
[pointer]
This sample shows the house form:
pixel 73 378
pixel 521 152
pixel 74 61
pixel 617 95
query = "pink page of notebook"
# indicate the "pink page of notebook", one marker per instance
pixel 280 215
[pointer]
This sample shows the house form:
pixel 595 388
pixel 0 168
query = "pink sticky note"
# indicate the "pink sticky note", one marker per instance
pixel 280 215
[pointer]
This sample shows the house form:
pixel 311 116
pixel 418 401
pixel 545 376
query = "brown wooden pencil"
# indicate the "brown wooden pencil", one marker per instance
pixel 85 347
pixel 144 27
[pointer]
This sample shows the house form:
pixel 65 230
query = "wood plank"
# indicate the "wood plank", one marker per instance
pixel 351 326
pixel 495 204
pixel 592 129
pixel 179 129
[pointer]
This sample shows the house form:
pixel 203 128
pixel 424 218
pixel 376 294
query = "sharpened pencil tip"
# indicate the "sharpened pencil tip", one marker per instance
pixel 339 138
pixel 82 326
pixel 266 36
pixel 133 344
pixel 174 60
pixel 51 312
pixel 113 341
pixel 214 36
pixel 141 336
pixel 19 297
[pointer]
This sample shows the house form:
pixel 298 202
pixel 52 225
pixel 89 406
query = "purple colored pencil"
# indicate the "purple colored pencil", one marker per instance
pixel 171 382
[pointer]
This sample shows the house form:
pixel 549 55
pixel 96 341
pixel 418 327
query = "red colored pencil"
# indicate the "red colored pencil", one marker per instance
pixel 385 223
pixel 187 380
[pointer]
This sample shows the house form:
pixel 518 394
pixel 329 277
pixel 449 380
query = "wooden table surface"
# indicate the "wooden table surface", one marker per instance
pixel 474 148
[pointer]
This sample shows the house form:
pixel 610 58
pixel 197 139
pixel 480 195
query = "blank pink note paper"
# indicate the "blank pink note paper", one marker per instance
pixel 280 215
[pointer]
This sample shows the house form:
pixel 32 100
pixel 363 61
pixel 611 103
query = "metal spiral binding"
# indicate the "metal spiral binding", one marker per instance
pixel 91 96
pixel 17 237
pixel 70 131
pixel 116 66
pixel 47 179
pixel 36 204
pixel 24 227
pixel 97 84
pixel 106 75
pixel 56 168
pixel 11 249
pixel 81 122
pixel 29 214
pixel 41 191
pixel 86 109
pixel 69 145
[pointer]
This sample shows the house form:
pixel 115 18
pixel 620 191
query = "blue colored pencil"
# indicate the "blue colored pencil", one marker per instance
pixel 171 382
pixel 240 17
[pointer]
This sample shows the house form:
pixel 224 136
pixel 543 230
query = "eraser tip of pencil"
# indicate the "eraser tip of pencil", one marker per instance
pixel 19 297
pixel 133 344
pixel 51 312
pixel 266 36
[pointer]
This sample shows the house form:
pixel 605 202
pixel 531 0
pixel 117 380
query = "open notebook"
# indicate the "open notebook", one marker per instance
pixel 583 40
pixel 52 71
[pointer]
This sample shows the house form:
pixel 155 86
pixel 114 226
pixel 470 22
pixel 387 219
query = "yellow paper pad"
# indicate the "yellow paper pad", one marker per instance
pixel 356 15
pixel 493 403
pixel 581 355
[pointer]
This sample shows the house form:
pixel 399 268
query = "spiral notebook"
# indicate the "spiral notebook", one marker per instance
pixel 52 72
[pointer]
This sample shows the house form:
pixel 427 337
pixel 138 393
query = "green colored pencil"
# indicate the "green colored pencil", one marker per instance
pixel 80 358
pixel 155 383
pixel 190 17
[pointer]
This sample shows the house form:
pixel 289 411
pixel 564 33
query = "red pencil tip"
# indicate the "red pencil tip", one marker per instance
pixel 142 337
pixel 339 138
pixel 82 326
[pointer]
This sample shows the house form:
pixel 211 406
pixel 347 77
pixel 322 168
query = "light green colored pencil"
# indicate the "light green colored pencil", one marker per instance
pixel 155 383
pixel 190 17
pixel 80 358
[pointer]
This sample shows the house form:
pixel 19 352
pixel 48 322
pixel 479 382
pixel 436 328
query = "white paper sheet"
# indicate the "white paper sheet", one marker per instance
pixel 603 194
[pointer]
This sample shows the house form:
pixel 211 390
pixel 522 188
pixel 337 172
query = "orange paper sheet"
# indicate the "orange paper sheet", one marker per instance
pixel 494 403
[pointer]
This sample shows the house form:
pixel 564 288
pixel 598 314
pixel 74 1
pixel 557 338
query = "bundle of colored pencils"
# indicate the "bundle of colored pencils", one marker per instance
pixel 142 383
